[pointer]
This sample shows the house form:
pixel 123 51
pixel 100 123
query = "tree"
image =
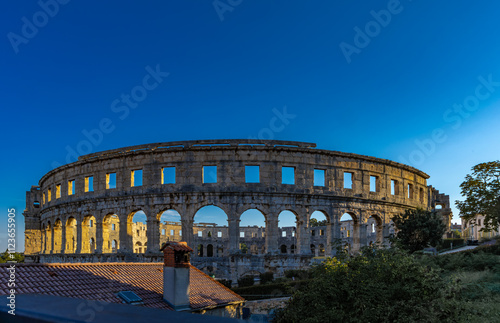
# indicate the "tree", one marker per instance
pixel 315 223
pixel 481 190
pixel 418 229
pixel 376 286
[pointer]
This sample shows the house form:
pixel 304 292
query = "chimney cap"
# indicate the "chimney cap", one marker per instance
pixel 177 246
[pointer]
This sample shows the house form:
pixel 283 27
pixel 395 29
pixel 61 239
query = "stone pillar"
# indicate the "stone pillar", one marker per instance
pixel 187 232
pixel 63 238
pixel 125 234
pixel 153 233
pixel 52 229
pixel 329 250
pixel 362 234
pixel 272 234
pixel 303 238
pixel 355 236
pixel 234 235
pixel 385 234
pixel 98 237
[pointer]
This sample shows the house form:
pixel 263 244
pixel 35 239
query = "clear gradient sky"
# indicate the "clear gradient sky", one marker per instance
pixel 416 81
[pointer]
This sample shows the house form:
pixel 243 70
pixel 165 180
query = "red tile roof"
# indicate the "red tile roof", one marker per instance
pixel 102 281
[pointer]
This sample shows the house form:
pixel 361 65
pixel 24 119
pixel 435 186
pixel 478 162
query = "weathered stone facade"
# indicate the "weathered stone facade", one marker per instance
pixel 76 213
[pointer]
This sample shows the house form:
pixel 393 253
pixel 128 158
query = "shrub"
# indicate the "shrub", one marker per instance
pixel 245 281
pixel 297 274
pixel 266 277
pixel 381 286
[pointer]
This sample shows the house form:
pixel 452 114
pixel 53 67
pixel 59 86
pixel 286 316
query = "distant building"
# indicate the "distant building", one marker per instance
pixel 474 229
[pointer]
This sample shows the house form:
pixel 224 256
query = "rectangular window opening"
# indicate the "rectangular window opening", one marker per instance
pixel 410 191
pixel 219 234
pixel 43 198
pixel 58 191
pixel 110 180
pixel 252 174
pixel 168 175
pixel 89 184
pixel 374 184
pixel 209 174
pixel 49 195
pixel 348 180
pixel 242 234
pixel 288 175
pixel 319 177
pixel 283 234
pixel 71 187
pixel 200 234
pixel 136 178
pixel 394 187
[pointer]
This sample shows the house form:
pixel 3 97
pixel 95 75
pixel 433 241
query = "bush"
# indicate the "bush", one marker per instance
pixel 266 277
pixel 297 274
pixel 245 281
pixel 381 286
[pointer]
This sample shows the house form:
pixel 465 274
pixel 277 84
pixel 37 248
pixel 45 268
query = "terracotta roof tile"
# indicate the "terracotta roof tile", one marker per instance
pixel 101 281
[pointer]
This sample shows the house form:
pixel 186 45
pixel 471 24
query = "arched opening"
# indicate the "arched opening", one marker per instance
pixel 210 250
pixel 318 228
pixel 252 231
pixel 170 226
pixel 347 228
pixel 209 219
pixel 114 246
pixel 313 249
pixel 88 233
pixel 374 230
pixel 71 235
pixel 220 251
pixel 138 247
pixel 283 249
pixel 287 228
pixel 110 231
pixel 292 249
pixel 438 207
pixel 57 236
pixel 321 250
pixel 138 228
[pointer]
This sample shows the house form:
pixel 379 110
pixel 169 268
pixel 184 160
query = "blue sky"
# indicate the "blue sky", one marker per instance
pixel 410 81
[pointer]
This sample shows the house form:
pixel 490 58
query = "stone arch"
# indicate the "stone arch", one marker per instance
pixel 110 231
pixel 211 218
pixel 88 233
pixel 252 222
pixel 217 204
pixel 169 225
pixel 283 249
pixel 57 236
pixel 210 250
pixel 375 229
pixel 71 228
pixel 137 229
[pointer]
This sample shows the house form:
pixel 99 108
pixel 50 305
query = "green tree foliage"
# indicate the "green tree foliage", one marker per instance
pixel 481 190
pixel 245 281
pixel 418 229
pixel 266 277
pixel 315 223
pixel 16 256
pixel 376 286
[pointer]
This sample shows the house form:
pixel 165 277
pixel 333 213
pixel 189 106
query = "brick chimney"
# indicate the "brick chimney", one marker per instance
pixel 176 274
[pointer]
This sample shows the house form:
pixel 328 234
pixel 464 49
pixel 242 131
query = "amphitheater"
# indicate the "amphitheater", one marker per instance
pixel 84 211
